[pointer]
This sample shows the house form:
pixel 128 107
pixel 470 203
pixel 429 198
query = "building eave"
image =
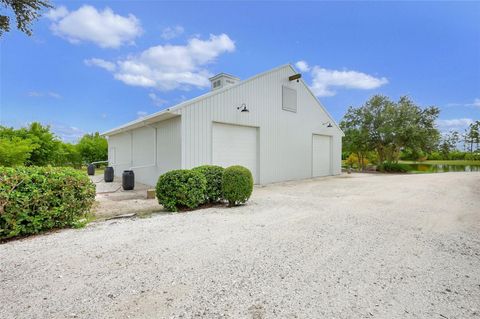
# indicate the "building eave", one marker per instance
pixel 144 121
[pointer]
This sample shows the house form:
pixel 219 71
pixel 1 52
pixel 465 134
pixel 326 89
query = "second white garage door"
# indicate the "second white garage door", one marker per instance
pixel 235 145
pixel 321 155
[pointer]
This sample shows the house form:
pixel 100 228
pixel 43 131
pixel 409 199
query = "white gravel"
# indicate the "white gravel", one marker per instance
pixel 354 246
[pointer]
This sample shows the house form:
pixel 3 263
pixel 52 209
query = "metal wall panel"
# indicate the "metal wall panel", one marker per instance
pixel 169 141
pixel 285 138
pixel 141 153
pixel 120 152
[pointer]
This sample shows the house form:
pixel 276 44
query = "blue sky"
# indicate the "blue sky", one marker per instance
pixel 91 66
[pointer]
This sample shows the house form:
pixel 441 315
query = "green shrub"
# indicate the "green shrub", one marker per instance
pixel 237 185
pixel 472 156
pixel 435 156
pixel 181 188
pixel 35 199
pixel 213 174
pixel 393 168
pixel 456 155
pixel 412 155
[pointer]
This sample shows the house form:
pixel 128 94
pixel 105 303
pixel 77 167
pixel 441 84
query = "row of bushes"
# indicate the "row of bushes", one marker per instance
pixel 352 160
pixel 455 155
pixel 208 184
pixel 35 199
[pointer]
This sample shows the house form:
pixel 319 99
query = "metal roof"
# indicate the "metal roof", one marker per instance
pixel 175 110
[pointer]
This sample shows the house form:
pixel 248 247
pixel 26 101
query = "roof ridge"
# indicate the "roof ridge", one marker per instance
pixel 192 100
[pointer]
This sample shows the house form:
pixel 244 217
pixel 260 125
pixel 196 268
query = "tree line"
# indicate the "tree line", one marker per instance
pixel 383 131
pixel 37 145
pixel 470 139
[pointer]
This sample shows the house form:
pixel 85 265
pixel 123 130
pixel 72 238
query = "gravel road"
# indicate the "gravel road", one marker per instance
pixel 351 246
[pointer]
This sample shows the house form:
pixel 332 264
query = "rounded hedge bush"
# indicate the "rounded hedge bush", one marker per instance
pixel 237 185
pixel 35 199
pixel 181 188
pixel 214 175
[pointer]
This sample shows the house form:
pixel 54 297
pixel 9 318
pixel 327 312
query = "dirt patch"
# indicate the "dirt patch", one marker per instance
pixel 112 200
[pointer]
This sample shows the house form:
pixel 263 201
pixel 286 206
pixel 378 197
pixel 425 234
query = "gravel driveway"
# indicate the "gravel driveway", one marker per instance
pixel 352 246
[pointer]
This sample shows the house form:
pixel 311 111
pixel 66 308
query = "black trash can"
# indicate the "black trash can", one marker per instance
pixel 91 169
pixel 128 180
pixel 108 174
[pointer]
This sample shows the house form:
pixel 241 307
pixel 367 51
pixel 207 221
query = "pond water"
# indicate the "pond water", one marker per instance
pixel 439 168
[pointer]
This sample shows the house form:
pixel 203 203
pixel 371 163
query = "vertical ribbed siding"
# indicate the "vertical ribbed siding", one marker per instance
pixel 121 145
pixel 285 150
pixel 142 151
pixel 168 150
pixel 168 145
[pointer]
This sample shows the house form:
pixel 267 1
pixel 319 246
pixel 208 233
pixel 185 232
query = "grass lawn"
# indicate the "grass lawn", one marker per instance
pixel 98 171
pixel 443 162
pixel 430 166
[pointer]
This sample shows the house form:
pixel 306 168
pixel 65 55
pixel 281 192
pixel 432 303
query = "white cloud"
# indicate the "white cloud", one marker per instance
pixel 57 13
pixel 35 94
pixel 158 101
pixel 476 103
pixel 107 65
pixel 454 123
pixel 172 32
pixel 168 67
pixel 104 28
pixel 141 114
pixel 324 80
pixel 54 95
pixel 181 98
pixel 302 66
pixel 66 132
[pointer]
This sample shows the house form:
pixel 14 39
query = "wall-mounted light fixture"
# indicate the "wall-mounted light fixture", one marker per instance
pixel 243 108
pixel 295 77
pixel 327 124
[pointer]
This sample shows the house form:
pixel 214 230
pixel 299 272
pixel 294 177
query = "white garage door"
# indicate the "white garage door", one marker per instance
pixel 321 155
pixel 235 145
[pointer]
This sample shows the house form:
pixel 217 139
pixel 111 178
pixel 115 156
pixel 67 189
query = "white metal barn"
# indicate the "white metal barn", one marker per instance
pixel 271 123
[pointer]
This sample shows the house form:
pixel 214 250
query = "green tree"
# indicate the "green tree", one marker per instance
pixel 14 151
pixel 36 145
pixel 415 127
pixel 388 127
pixel 93 148
pixel 449 143
pixel 473 135
pixel 356 138
pixel 25 12
pixel 47 145
pixel 68 155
